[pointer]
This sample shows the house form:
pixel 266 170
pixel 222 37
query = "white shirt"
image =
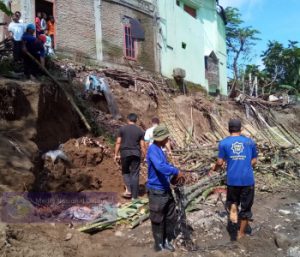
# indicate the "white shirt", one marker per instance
pixel 17 29
pixel 149 134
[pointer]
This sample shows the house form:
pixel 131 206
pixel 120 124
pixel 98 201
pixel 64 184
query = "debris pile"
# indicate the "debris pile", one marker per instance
pixel 6 47
pixel 131 214
pixel 72 167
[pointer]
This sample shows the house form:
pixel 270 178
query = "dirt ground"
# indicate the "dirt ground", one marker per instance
pixel 47 121
pixel 210 235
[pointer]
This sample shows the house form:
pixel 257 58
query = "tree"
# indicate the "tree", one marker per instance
pixel 283 63
pixel 5 9
pixel 240 41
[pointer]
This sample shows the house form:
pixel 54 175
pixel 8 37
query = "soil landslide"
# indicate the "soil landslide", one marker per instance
pixel 36 122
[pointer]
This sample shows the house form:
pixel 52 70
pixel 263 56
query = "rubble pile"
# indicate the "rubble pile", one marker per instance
pixel 6 47
pixel 72 167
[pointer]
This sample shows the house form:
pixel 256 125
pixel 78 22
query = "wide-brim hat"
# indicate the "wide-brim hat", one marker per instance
pixel 160 133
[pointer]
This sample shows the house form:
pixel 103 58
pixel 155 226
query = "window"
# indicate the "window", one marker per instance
pixel 206 63
pixel 129 43
pixel 190 10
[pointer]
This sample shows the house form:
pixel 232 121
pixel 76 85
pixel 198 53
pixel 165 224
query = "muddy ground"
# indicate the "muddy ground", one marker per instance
pixel 46 121
pixel 275 231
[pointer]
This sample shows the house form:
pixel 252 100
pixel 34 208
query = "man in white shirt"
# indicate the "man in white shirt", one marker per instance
pixel 149 135
pixel 149 132
pixel 16 30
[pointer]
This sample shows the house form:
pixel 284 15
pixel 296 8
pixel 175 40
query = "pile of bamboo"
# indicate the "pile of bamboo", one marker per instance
pixel 130 214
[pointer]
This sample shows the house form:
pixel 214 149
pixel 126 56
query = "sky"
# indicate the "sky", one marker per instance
pixel 275 19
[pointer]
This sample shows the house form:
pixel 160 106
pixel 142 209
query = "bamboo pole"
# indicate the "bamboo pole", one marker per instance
pixel 69 97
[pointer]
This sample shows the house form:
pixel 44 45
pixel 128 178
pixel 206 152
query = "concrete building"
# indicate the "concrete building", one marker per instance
pixel 155 35
pixel 110 32
pixel 192 37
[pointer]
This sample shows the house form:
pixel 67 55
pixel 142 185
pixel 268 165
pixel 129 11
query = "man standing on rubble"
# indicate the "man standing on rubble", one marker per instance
pixel 161 202
pixel 131 145
pixel 240 154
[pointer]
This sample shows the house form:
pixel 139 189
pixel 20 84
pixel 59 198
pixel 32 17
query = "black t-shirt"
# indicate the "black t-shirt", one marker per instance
pixel 131 136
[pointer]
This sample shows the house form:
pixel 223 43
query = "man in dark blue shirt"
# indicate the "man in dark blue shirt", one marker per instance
pixel 35 47
pixel 240 154
pixel 161 201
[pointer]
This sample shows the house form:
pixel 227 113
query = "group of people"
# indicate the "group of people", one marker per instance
pixel 27 39
pixel 238 152
pixel 45 26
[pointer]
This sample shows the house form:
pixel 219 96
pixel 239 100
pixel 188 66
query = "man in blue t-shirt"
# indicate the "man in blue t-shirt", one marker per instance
pixel 161 202
pixel 240 154
pixel 35 47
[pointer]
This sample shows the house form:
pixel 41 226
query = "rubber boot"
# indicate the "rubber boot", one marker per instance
pixel 170 235
pixel 158 237
pixel 168 246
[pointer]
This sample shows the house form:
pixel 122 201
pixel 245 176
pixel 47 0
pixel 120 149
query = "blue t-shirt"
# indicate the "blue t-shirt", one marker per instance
pixel 238 151
pixel 159 170
pixel 33 45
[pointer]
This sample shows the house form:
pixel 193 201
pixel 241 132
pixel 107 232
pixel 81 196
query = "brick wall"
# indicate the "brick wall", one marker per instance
pixel 113 36
pixel 76 27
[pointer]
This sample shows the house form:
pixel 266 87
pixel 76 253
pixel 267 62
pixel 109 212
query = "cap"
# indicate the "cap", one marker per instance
pixel 160 133
pixel 31 26
pixel 234 125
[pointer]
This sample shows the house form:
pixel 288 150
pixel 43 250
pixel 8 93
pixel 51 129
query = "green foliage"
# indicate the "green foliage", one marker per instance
pixel 4 8
pixel 240 40
pixel 283 63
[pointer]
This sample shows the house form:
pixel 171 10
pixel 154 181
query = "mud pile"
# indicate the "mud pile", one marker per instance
pixel 75 172
pixel 36 118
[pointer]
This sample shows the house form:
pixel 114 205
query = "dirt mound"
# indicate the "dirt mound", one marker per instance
pixel 76 170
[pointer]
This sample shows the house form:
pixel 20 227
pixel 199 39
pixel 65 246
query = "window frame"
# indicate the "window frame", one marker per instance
pixel 189 9
pixel 133 41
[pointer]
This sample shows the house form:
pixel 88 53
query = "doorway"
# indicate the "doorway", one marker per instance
pixel 44 6
pixel 47 7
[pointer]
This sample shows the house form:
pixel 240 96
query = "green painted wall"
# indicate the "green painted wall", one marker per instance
pixel 202 35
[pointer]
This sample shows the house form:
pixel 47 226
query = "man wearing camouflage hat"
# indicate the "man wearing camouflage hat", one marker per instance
pixel 161 201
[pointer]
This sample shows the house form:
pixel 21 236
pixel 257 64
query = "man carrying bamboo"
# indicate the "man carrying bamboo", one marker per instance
pixel 240 154
pixel 161 201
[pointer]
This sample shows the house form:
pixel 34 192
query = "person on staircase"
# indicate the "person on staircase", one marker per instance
pixel 130 145
pixel 161 202
pixel 240 154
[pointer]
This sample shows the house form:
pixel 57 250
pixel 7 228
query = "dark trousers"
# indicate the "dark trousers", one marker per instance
pixel 131 173
pixel 162 215
pixel 243 196
pixel 17 50
pixel 30 67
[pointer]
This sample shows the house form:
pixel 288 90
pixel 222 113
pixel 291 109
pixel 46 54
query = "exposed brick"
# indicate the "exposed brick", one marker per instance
pixel 113 36
pixel 76 27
